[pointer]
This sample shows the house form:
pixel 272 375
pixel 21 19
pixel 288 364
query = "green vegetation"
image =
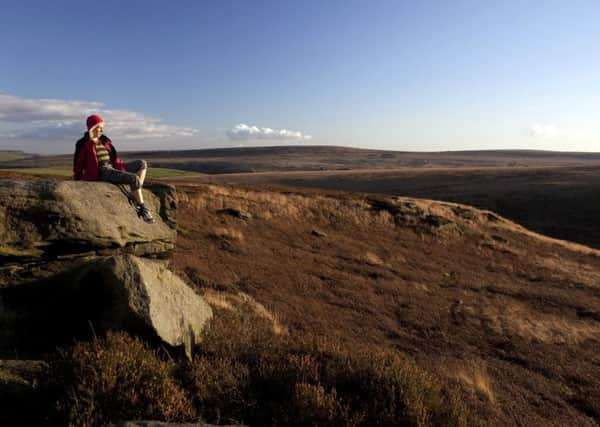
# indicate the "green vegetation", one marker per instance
pixel 154 173
pixel 245 373
pixel 7 156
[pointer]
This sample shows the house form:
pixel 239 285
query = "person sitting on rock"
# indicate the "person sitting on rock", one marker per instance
pixel 96 159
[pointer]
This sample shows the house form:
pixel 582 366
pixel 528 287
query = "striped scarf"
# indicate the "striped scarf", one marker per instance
pixel 102 153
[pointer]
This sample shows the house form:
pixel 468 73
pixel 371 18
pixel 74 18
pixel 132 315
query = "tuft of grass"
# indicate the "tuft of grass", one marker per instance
pixel 477 379
pixel 226 233
pixel 371 259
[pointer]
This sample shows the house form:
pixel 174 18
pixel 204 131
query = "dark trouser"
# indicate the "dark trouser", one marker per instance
pixel 128 176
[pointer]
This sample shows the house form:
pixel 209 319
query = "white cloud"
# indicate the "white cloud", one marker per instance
pixel 245 132
pixel 53 119
pixel 546 131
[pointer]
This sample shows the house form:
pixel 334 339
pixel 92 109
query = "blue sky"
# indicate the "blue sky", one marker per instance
pixel 403 75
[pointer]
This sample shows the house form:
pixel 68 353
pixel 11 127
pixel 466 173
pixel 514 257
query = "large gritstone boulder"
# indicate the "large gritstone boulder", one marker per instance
pixel 124 292
pixel 48 219
pixel 147 292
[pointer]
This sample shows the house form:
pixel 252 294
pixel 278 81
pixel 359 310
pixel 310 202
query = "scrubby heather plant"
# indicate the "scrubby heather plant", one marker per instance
pixel 307 381
pixel 218 387
pixel 118 378
pixel 244 373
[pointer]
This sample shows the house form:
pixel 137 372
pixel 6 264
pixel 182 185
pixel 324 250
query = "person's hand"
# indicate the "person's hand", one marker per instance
pixel 119 164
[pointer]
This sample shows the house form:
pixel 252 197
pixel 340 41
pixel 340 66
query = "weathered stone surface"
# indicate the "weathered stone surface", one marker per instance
pixel 123 292
pixel 168 201
pixel 236 213
pixel 155 296
pixel 44 219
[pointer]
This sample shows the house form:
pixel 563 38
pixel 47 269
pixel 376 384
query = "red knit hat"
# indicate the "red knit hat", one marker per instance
pixel 93 120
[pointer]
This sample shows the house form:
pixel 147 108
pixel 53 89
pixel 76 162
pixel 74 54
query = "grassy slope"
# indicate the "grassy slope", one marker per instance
pixel 560 202
pixel 7 156
pixel 513 316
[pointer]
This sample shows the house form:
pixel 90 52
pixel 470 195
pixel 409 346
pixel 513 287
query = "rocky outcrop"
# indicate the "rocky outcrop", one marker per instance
pixel 74 262
pixel 144 292
pixel 49 219
pixel 122 292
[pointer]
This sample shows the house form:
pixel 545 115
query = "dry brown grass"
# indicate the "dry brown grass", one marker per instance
pixel 288 207
pixel 263 313
pixel 474 375
pixel 218 300
pixel 240 303
pixel 580 273
pixel 227 233
pixel 372 259
pixel 571 246
pixel 486 292
pixel 517 320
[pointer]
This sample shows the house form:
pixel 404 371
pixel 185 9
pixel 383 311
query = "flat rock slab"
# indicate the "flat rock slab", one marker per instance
pixel 44 219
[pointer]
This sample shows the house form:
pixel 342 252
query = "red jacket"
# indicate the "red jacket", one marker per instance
pixel 86 162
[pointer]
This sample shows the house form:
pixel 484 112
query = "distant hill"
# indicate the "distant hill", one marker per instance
pixel 11 155
pixel 315 158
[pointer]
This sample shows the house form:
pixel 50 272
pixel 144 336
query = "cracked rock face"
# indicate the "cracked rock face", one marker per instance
pixel 70 264
pixel 121 292
pixel 49 219
pixel 144 292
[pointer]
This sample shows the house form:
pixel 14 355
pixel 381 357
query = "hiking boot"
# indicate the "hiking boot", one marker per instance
pixel 144 213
